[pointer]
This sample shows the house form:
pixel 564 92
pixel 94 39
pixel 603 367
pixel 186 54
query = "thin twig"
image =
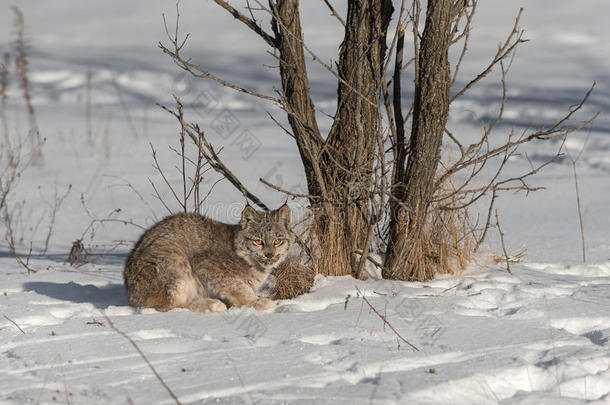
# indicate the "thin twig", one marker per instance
pixel 54 209
pixel 10 239
pixel 290 193
pixel 141 353
pixel 88 106
pixel 580 220
pixel 250 23
pixel 14 323
pixel 334 13
pixel 385 321
pixel 210 154
pixel 125 108
pixel 503 245
pixel 239 377
pixel 551 329
pixel 504 50
pixel 197 70
pixel 169 185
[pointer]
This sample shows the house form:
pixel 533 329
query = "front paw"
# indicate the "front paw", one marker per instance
pixel 217 306
pixel 262 304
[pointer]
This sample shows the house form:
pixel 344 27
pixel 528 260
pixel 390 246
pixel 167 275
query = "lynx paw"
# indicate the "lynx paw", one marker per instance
pixel 262 304
pixel 207 305
pixel 217 306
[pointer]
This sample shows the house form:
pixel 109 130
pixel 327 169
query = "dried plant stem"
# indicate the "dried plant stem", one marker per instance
pixel 46 378
pixel 141 353
pixel 385 321
pixel 96 220
pixel 551 329
pixel 191 185
pixel 21 63
pixel 334 13
pixel 88 106
pixel 573 161
pixel 4 86
pixel 582 227
pixel 58 201
pixel 10 239
pixel 210 154
pixel 125 109
pixel 14 323
pixel 79 256
pixel 506 257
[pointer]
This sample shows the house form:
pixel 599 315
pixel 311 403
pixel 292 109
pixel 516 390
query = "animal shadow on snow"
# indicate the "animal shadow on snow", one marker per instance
pixel 101 297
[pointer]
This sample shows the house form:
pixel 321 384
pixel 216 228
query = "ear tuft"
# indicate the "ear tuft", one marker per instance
pixel 282 215
pixel 248 215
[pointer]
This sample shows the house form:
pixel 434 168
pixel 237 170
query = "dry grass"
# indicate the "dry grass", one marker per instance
pixel 325 241
pixel 330 260
pixel 446 245
pixel 22 70
pixel 291 280
pixel 14 157
pixel 4 87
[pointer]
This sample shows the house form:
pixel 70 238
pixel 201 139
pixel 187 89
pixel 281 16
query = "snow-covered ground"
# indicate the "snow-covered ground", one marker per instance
pixel 484 337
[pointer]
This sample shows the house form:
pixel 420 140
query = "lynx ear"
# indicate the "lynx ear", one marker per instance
pixel 248 215
pixel 282 215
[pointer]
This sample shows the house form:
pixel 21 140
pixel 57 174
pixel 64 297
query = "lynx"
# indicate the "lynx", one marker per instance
pixel 191 261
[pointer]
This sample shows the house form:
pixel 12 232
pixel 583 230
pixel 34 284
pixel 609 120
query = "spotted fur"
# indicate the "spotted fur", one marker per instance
pixel 191 261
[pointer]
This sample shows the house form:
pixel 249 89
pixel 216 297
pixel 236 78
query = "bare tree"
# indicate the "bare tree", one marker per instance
pixel 423 237
pixel 414 184
pixel 339 166
pixel 366 178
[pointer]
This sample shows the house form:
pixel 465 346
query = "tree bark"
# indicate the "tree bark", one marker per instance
pixel 339 169
pixel 295 90
pixel 406 254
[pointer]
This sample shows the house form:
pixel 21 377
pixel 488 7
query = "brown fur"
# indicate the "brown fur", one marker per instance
pixel 190 261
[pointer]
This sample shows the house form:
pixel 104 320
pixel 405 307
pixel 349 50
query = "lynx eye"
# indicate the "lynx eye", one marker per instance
pixel 258 242
pixel 278 242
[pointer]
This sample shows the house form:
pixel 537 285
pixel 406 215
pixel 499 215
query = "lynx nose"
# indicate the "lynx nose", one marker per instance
pixel 268 255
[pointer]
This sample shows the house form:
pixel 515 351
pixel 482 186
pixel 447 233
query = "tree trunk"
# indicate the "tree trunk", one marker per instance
pixel 339 170
pixel 406 256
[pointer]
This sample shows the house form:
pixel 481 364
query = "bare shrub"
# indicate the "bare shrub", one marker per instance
pixel 85 249
pixel 368 181
pixel 192 169
pixel 14 160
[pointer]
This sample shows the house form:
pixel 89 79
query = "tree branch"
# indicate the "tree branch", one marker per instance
pixel 334 12
pixel 250 23
pixel 211 156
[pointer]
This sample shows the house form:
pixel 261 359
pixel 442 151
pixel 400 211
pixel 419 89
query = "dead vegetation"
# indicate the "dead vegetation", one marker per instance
pixel 291 280
pixel 22 70
pixel 15 156
pixel 191 170
pixel 85 249
pixel 376 180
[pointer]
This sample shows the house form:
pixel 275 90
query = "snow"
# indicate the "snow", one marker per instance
pixel 484 337
pixel 538 336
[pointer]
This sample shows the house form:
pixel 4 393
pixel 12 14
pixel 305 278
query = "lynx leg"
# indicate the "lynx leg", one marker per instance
pixel 183 291
pixel 238 294
pixel 166 285
pixel 241 294
pixel 262 304
pixel 205 305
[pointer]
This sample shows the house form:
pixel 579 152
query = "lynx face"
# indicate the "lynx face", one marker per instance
pixel 264 239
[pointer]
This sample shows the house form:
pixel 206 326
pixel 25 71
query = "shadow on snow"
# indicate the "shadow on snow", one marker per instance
pixel 101 297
